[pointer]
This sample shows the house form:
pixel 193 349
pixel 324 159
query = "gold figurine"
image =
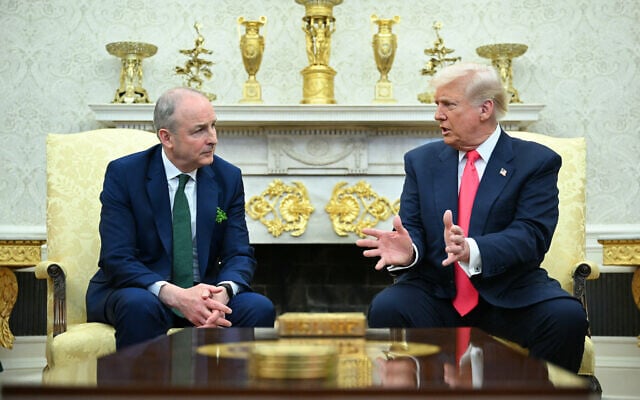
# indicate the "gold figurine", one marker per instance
pixel 318 26
pixel 196 66
pixel 384 50
pixel 131 54
pixel 438 58
pixel 501 55
pixel 252 48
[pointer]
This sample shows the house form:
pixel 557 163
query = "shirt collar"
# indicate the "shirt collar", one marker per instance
pixel 486 148
pixel 172 171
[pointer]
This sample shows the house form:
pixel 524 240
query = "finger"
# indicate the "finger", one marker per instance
pixel 449 260
pixel 217 306
pixel 366 243
pixel 371 253
pixel 380 264
pixel 223 322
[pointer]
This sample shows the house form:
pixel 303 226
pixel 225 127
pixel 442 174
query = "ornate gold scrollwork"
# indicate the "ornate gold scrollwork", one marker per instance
pixel 354 208
pixel 289 207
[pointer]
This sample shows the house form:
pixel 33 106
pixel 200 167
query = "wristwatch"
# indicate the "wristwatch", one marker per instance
pixel 228 288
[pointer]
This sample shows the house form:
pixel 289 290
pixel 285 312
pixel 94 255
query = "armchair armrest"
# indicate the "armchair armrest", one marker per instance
pixel 582 271
pixel 57 284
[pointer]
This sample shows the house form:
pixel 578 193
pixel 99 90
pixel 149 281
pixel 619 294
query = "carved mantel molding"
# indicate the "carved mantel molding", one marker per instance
pixel 139 116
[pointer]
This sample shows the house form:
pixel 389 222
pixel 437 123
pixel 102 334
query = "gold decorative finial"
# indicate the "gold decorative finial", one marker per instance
pixel 438 58
pixel 196 66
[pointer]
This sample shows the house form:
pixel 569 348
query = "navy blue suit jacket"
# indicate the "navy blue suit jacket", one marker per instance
pixel 514 215
pixel 136 233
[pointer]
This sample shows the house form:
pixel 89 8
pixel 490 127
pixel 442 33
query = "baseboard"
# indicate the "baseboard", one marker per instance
pixel 28 353
pixel 618 366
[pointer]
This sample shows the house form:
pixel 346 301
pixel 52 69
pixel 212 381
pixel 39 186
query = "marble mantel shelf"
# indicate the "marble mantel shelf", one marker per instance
pixel 519 117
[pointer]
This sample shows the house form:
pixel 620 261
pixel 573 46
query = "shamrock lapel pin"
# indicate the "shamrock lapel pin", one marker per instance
pixel 221 216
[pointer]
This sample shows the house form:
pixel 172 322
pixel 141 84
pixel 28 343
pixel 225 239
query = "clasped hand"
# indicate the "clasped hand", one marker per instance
pixel 203 305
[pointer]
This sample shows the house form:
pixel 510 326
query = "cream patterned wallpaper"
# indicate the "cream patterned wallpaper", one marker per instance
pixel 583 63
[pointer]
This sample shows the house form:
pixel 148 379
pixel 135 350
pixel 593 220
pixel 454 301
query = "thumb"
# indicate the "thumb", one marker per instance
pixel 447 219
pixel 397 224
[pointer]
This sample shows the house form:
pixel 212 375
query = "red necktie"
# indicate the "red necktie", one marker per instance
pixel 466 295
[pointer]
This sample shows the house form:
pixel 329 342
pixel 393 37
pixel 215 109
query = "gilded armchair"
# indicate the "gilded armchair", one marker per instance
pixel 565 260
pixel 75 171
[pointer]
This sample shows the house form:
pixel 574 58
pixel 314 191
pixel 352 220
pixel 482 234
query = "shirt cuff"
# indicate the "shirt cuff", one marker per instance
pixel 234 286
pixel 156 286
pixel 474 266
pixel 393 268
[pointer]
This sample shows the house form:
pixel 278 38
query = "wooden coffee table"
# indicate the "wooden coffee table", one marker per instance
pixel 385 363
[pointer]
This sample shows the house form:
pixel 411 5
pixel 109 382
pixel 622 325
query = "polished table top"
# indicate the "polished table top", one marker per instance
pixel 385 362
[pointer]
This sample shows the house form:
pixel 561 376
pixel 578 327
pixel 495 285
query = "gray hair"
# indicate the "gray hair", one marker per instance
pixel 166 106
pixel 484 84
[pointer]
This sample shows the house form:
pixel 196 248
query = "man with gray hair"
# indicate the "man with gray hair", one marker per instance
pixel 175 249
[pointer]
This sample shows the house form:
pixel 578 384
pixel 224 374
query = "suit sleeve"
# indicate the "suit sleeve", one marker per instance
pixel 123 263
pixel 522 221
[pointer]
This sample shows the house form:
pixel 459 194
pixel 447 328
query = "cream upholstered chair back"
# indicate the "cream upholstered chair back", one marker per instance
pixel 569 240
pixel 565 261
pixel 76 164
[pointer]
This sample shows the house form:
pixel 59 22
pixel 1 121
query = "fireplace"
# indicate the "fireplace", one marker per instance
pixel 317 277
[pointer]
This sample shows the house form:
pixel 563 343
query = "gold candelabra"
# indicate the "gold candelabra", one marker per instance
pixel 384 44
pixel 438 58
pixel 252 49
pixel 318 26
pixel 195 68
pixel 501 56
pixel 131 54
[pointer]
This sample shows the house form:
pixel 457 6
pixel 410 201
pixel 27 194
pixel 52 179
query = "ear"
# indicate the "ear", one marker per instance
pixel 486 110
pixel 164 136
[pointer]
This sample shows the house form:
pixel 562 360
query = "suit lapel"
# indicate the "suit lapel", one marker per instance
pixel 446 182
pixel 206 214
pixel 496 175
pixel 158 194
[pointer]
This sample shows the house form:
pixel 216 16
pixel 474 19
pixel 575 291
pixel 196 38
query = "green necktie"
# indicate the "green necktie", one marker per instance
pixel 182 242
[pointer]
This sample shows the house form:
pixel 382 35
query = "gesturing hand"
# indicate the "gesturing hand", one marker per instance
pixel 393 247
pixel 454 239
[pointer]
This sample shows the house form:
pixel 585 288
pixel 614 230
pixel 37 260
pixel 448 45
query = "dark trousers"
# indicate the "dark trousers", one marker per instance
pixel 553 330
pixel 138 315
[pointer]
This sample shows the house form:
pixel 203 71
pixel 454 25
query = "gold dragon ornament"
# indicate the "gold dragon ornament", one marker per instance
pixel 282 208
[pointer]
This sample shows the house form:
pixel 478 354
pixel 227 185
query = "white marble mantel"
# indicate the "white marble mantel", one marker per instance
pixel 318 147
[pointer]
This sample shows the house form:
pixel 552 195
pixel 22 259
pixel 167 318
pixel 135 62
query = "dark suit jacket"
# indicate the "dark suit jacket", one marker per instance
pixel 135 226
pixel 514 215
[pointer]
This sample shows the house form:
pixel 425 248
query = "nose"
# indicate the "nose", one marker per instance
pixel 439 115
pixel 212 135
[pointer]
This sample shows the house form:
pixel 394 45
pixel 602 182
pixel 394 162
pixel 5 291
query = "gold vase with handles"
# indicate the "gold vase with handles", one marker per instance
pixel 385 43
pixel 252 49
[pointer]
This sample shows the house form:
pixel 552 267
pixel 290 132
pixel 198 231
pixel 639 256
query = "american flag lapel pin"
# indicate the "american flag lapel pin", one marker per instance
pixel 503 172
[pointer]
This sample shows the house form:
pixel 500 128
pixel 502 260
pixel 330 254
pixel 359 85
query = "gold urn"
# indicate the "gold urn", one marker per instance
pixel 385 43
pixel 318 26
pixel 252 49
